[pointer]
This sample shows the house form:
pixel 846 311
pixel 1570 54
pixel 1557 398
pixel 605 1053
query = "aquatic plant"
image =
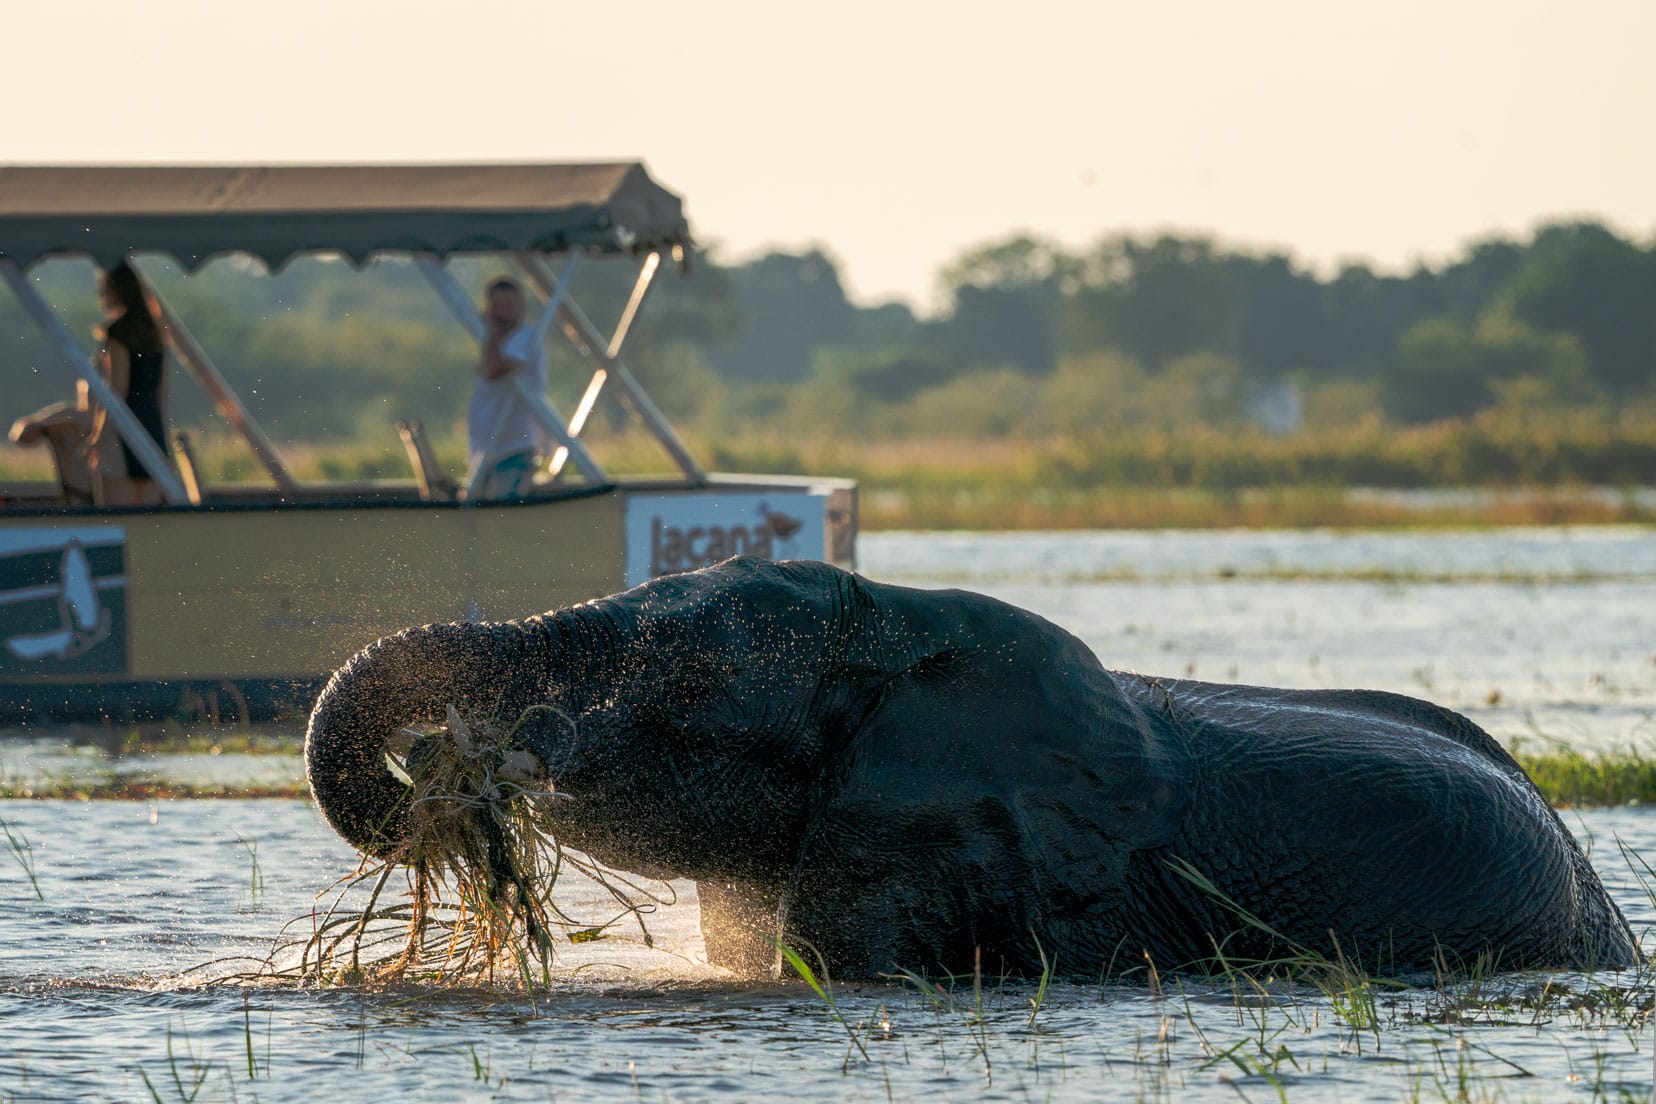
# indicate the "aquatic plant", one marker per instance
pixel 479 862
pixel 255 882
pixel 195 1071
pixel 23 851
pixel 1568 777
pixel 824 989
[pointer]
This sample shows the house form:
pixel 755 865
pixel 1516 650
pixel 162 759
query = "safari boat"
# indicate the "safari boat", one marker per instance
pixel 237 600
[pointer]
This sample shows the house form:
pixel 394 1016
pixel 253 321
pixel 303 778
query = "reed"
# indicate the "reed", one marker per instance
pixel 255 878
pixel 824 989
pixel 23 851
pixel 192 1070
pixel 972 1015
pixel 1570 778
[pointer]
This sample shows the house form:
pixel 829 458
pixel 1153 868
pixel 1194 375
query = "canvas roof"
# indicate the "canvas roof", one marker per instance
pixel 273 212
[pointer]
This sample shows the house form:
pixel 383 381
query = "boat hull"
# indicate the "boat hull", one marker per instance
pixel 239 610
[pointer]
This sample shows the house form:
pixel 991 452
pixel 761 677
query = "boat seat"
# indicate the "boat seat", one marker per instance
pixel 62 428
pixel 189 472
pixel 435 484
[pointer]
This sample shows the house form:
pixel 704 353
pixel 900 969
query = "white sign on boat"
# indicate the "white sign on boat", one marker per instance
pixel 667 534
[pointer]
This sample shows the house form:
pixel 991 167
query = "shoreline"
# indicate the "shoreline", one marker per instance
pixel 1568 779
pixel 885 509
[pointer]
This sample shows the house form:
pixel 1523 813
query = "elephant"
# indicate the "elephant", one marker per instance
pixel 937 781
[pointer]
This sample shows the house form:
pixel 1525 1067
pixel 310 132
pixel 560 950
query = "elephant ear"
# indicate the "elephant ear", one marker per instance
pixel 1009 724
pixel 1114 780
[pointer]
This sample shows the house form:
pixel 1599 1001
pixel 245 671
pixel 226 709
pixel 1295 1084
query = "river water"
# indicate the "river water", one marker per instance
pixel 122 924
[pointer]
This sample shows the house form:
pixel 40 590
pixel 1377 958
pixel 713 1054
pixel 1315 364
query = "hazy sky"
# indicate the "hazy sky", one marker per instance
pixel 896 134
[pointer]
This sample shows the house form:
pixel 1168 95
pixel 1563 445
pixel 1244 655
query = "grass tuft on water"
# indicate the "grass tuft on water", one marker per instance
pixel 1567 777
pixel 477 864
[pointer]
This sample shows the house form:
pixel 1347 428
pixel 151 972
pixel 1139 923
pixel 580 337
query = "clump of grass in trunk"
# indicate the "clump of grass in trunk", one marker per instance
pixel 479 863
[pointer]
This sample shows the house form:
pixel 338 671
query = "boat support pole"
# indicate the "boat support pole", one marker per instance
pixel 80 362
pixel 194 358
pixel 541 408
pixel 453 295
pixel 595 386
pixel 607 359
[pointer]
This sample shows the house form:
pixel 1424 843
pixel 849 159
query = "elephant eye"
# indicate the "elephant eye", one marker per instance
pixel 689 688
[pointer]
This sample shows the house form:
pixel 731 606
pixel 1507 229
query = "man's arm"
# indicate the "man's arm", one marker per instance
pixel 496 362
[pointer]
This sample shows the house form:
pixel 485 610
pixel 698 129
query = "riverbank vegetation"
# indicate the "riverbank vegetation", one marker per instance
pixel 1582 469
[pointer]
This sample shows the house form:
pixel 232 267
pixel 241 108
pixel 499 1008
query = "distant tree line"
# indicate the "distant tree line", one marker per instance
pixel 1199 332
pixel 1133 331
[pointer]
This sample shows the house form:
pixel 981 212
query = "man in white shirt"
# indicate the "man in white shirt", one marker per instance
pixel 504 442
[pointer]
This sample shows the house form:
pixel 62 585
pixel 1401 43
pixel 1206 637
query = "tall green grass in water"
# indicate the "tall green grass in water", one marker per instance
pixel 1570 778
pixel 23 851
pixel 1293 1027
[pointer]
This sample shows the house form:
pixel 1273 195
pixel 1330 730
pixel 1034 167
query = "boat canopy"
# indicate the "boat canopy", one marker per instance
pixel 194 213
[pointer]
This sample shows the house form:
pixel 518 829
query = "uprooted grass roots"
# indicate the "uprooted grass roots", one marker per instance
pixel 478 862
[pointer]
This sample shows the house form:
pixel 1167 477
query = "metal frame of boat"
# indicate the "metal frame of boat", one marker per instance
pixel 236 601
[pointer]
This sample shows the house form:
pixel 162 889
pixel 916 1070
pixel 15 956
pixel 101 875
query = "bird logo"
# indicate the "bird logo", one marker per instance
pixel 83 621
pixel 781 526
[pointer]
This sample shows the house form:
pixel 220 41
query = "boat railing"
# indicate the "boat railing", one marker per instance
pixel 435 484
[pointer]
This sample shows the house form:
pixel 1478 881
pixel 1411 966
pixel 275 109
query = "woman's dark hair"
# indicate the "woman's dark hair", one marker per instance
pixel 137 328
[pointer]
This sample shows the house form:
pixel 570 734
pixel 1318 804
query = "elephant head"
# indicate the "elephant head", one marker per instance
pixel 648 702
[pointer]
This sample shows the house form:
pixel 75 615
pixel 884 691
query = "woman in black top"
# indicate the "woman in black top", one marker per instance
pixel 133 359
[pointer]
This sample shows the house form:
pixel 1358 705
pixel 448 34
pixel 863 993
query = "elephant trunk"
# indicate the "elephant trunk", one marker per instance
pixel 409 678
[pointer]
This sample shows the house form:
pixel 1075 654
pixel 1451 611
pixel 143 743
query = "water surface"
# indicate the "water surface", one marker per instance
pixel 97 982
pixel 1538 634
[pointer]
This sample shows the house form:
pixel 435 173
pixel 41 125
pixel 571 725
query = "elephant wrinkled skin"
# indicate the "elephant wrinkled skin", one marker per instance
pixel 908 778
